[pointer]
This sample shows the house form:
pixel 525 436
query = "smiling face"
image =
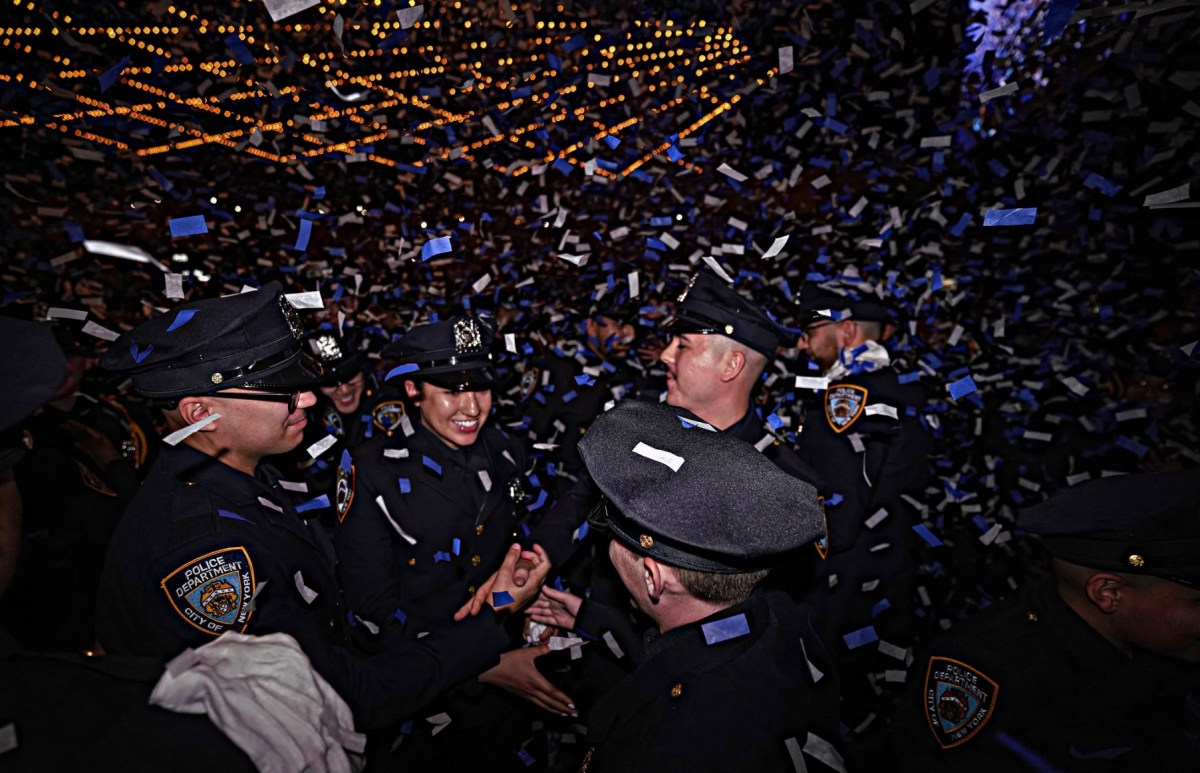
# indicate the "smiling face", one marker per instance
pixel 456 418
pixel 346 396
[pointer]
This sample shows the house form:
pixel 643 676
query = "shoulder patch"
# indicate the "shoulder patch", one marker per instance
pixel 213 592
pixel 844 403
pixel 959 700
pixel 345 485
pixel 387 414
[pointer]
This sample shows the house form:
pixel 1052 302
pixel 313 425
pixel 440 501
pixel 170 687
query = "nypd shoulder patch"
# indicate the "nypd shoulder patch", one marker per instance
pixel 844 403
pixel 387 414
pixel 345 485
pixel 959 700
pixel 213 592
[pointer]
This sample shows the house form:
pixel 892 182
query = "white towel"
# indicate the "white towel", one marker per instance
pixel 265 696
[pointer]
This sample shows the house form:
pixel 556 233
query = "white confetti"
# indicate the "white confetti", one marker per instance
pixel 812 382
pixel 716 267
pixel 395 453
pixel 786 63
pixel 410 16
pixel 635 287
pixel 57 313
pixel 281 9
pixel 122 251
pixel 309 300
pixel 1157 199
pixel 321 446
pixel 383 507
pixel 1002 91
pixel 174 289
pixel 881 409
pixel 100 331
pixel 298 486
pixel 510 343
pixel 659 455
pixel 486 480
pixel 776 247
pixel 308 593
pixel 611 641
pixel 175 437
pixel 731 173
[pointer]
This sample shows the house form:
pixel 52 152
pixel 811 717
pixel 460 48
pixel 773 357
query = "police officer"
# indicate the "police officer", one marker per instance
pixel 85 461
pixel 867 441
pixel 211 544
pixel 434 506
pixel 720 344
pixel 351 408
pixel 1094 668
pixel 731 676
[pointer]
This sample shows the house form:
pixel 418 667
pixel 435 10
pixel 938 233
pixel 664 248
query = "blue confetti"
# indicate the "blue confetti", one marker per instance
pixel 233 515
pixel 1099 183
pixel 139 354
pixel 861 637
pixel 313 504
pixel 583 531
pixel 400 370
pixel 924 533
pixel 880 607
pixel 501 599
pixel 110 76
pixel 304 235
pixel 725 629
pixel 239 50
pixel 432 465
pixel 775 421
pixel 405 485
pixel 187 226
pixel 959 389
pixel 526 757
pixel 456 546
pixel 835 499
pixel 182 318
pixel 346 461
pixel 441 557
pixel 994 217
pixel 1057 18
pixel 435 247
pixel 612 141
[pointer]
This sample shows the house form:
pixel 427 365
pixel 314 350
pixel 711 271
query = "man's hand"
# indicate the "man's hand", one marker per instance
pixel 518 674
pixel 555 607
pixel 538 566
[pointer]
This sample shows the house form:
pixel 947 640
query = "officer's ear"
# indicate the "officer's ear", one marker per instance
pixel 1106 591
pixel 735 363
pixel 413 391
pixel 196 409
pixel 653 576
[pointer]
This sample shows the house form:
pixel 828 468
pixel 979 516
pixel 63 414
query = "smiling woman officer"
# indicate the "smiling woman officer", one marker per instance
pixel 434 502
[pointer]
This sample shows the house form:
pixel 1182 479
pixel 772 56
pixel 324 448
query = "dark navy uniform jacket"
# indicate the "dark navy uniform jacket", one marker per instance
pixel 205 548
pixel 446 520
pixel 746 701
pixel 1027 684
pixel 868 444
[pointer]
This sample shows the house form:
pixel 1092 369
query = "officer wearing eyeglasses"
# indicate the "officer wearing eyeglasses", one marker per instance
pixel 211 543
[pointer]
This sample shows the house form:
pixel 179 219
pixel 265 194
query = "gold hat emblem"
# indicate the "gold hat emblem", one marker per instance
pixel 217 378
pixel 729 330
pixel 646 541
pixel 1136 561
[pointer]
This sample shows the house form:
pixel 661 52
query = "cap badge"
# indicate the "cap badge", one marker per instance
pixel 646 541
pixel 729 330
pixel 683 295
pixel 467 335
pixel 1136 561
pixel 326 347
pixel 217 378
pixel 290 315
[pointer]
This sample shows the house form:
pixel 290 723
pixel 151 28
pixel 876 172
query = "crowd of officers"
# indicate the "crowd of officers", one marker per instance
pixel 604 555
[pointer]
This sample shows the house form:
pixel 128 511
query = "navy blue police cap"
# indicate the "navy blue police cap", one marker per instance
pixel 692 497
pixel 249 340
pixel 818 302
pixel 341 354
pixel 710 305
pixel 454 354
pixel 1136 524
pixel 32 368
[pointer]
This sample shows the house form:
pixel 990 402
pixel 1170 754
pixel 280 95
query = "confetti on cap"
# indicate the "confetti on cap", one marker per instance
pixel 961 388
pixel 725 629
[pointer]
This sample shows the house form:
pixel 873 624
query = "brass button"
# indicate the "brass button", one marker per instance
pixel 475 559
pixel 412 562
pixel 1136 561
pixel 478 529
pixel 471 589
pixel 1031 617
pixel 646 541
pixel 677 690
pixel 729 330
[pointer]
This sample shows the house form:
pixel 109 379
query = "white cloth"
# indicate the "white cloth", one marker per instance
pixel 873 357
pixel 265 696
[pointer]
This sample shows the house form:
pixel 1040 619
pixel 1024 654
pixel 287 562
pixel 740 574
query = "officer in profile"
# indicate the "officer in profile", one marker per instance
pixel 731 676
pixel 1096 667
pixel 211 543
pixel 865 438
